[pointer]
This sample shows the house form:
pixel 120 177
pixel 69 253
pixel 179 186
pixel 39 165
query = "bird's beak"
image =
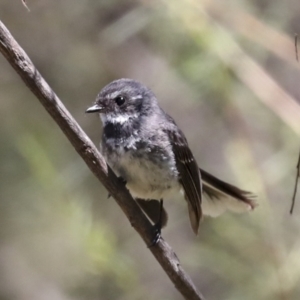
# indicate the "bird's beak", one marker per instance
pixel 95 108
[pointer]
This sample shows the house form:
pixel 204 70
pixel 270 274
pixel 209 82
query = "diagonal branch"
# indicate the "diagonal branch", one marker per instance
pixel 164 254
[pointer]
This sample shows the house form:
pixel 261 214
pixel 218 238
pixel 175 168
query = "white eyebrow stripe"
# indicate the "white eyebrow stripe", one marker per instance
pixel 117 93
pixel 114 94
pixel 137 97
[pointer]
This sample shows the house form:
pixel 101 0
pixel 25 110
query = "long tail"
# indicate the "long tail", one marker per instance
pixel 223 196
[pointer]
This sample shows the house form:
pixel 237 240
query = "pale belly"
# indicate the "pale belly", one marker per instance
pixel 148 180
pixel 153 177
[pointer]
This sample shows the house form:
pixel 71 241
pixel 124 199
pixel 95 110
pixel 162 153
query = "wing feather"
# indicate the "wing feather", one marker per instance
pixel 190 177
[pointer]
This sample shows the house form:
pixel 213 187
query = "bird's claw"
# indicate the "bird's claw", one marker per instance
pixel 157 235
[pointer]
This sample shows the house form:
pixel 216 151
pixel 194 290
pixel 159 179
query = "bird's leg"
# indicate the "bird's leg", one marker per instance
pixel 122 180
pixel 158 225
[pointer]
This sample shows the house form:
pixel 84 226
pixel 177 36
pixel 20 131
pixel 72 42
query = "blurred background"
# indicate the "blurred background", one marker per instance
pixel 227 72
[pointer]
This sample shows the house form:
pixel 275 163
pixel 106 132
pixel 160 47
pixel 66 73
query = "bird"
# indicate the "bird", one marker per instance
pixel 144 146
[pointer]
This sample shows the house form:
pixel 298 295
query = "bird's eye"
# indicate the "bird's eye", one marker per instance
pixel 120 100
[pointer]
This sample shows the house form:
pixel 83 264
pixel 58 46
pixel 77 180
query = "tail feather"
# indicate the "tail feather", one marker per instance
pixel 223 196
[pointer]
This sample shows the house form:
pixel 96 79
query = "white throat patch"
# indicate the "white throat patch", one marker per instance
pixel 116 119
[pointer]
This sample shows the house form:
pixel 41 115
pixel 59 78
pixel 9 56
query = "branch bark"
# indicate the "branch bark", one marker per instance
pixel 163 253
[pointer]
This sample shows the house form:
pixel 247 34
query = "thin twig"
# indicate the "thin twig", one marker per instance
pixel 25 4
pixel 296 46
pixel 95 161
pixel 298 164
pixel 296 185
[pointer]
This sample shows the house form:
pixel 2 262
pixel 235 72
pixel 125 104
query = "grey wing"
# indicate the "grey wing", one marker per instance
pixel 189 174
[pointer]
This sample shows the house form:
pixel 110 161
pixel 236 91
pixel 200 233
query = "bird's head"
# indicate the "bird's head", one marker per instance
pixel 123 100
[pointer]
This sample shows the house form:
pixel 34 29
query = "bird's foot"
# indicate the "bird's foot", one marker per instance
pixel 157 227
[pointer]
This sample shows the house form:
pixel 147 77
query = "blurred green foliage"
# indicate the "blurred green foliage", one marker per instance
pixel 226 71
